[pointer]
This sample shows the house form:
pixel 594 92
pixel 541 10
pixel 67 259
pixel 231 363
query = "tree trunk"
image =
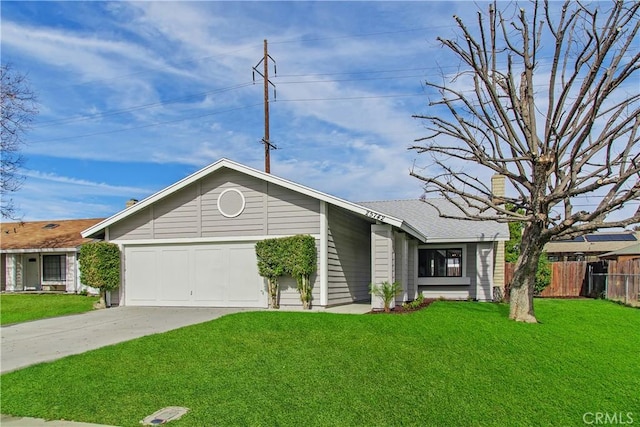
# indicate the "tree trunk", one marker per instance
pixel 102 302
pixel 524 276
pixel 273 292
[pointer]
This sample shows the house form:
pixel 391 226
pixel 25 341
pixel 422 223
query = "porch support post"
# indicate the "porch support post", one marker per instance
pixel 324 255
pixel 11 270
pixel 382 259
pixel 402 267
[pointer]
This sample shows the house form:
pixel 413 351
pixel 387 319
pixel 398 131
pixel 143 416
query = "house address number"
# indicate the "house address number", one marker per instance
pixel 375 215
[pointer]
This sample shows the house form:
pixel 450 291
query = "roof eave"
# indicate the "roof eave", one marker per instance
pixel 474 239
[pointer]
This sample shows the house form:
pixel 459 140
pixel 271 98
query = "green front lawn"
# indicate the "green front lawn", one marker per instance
pixel 16 308
pixel 453 364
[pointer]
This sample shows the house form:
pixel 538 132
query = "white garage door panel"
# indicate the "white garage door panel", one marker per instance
pixel 141 269
pixel 242 276
pixel 214 275
pixel 174 281
pixel 209 276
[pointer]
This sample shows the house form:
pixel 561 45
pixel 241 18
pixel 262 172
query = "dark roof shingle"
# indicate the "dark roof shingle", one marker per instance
pixel 44 234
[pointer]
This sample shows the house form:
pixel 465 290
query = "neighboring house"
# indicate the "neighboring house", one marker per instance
pixel 625 254
pixel 590 246
pixel 42 255
pixel 193 244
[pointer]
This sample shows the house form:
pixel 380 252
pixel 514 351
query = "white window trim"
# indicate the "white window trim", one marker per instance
pixel 463 280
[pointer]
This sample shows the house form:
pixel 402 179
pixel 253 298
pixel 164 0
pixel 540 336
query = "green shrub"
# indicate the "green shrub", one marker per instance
pixel 301 262
pixel 271 266
pixel 414 304
pixel 386 291
pixel 543 274
pixel 295 256
pixel 100 266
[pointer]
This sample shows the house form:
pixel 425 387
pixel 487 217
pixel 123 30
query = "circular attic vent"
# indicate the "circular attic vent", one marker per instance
pixel 231 202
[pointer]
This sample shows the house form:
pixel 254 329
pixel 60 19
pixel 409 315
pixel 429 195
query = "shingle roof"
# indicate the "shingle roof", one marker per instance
pixel 425 218
pixel 36 234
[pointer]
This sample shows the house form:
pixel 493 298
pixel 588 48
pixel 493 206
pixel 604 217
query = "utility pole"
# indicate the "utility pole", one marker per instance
pixel 265 75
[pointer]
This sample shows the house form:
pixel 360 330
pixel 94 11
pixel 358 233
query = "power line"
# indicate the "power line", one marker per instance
pixel 227 111
pixel 147 125
pixel 351 80
pixel 366 72
pixel 110 113
pixel 345 98
pixel 252 46
pixel 136 108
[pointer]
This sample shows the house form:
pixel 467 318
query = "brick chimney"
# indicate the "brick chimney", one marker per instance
pixel 498 188
pixel 131 202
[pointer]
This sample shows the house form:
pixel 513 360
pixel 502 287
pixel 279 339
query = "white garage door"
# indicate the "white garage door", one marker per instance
pixel 207 275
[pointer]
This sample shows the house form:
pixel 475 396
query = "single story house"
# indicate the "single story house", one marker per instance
pixel 42 255
pixel 590 246
pixel 193 244
pixel 627 253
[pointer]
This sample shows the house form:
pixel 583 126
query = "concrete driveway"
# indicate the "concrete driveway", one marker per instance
pixel 45 340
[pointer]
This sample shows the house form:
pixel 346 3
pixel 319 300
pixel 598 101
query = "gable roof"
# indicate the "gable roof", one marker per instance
pixel 39 235
pixel 425 218
pixel 229 164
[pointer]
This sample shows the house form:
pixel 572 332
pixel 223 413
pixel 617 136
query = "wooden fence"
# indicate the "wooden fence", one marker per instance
pixel 623 281
pixel 571 278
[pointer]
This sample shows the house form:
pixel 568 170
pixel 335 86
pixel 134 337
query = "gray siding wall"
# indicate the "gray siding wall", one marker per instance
pixel 251 222
pixel 177 215
pixel 193 212
pixel 291 213
pixel 472 269
pixel 348 257
pixel 484 275
pixel 135 227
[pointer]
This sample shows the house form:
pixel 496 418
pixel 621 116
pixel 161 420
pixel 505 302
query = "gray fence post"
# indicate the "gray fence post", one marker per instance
pixel 626 289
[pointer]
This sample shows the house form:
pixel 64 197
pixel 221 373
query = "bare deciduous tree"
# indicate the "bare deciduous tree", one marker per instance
pixel 548 98
pixel 18 108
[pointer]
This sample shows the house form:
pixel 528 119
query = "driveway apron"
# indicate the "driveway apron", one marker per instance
pixel 28 343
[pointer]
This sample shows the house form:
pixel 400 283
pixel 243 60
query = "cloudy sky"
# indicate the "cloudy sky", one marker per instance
pixel 134 96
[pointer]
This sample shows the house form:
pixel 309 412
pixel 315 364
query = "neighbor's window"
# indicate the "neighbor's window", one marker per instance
pixel 440 263
pixel 54 268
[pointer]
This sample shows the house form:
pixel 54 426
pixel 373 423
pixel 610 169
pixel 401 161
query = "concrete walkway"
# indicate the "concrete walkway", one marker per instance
pixel 28 343
pixel 8 421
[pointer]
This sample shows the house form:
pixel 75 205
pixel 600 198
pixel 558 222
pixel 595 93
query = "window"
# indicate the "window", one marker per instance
pixel 440 262
pixel 54 268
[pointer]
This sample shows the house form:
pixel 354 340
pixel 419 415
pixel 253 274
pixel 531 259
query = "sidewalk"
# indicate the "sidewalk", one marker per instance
pixel 9 421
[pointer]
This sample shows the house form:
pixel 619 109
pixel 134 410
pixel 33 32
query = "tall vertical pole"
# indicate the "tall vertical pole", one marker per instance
pixel 265 75
pixel 267 144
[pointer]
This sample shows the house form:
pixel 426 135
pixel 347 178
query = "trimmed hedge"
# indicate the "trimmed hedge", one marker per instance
pixel 100 266
pixel 295 256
